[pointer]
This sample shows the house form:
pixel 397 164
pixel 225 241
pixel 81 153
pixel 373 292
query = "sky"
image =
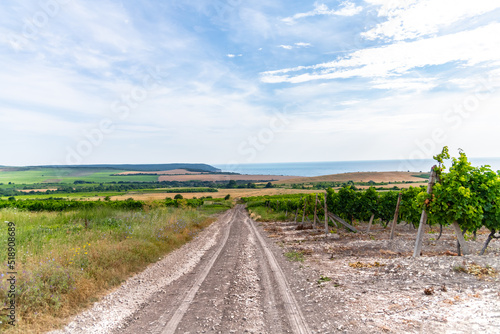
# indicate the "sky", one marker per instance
pixel 233 81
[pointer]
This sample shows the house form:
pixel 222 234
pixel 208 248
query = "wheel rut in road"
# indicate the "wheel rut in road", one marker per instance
pixel 238 286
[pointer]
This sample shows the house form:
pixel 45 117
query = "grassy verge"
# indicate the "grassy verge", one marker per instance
pixel 261 213
pixel 66 260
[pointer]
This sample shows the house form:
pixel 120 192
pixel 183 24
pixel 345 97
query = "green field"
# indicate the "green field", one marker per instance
pixel 68 175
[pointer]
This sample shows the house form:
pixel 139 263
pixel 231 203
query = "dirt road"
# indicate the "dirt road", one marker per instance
pixel 239 283
pixel 238 286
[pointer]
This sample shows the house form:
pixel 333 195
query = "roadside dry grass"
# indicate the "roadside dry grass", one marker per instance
pixel 66 261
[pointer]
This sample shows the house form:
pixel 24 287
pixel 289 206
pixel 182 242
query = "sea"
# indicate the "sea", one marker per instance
pixel 338 167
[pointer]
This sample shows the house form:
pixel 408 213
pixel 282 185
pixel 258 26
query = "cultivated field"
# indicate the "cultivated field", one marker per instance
pixel 223 177
pixel 161 172
pixel 376 177
pixel 67 175
pixel 234 193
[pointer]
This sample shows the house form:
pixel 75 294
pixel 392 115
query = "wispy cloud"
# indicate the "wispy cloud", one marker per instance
pixel 295 46
pixel 467 48
pixel 302 45
pixel 415 19
pixel 346 8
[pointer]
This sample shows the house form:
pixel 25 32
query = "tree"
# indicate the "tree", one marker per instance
pixel 227 197
pixel 269 185
pixel 178 196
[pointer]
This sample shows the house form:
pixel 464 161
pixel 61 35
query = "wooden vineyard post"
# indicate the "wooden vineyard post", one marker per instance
pixel 341 221
pixel 326 218
pixel 396 214
pixel 423 217
pixel 315 208
pixel 370 223
pixel 460 238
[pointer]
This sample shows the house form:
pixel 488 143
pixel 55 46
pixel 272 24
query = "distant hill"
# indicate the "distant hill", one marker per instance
pixel 144 167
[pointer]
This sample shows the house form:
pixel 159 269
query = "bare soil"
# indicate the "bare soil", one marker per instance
pixel 163 172
pixel 224 177
pixel 39 190
pixel 376 286
pixel 359 177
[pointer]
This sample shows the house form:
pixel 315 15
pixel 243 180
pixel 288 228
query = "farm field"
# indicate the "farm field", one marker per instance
pixel 376 177
pixel 234 193
pixel 223 177
pixel 161 172
pixel 67 175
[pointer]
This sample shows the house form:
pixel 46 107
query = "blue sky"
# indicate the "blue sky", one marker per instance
pixel 228 82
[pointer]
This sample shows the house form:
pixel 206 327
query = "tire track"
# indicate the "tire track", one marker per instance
pixel 171 326
pixel 295 316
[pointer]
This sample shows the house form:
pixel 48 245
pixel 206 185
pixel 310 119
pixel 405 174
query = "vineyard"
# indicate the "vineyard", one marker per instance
pixel 129 204
pixel 465 197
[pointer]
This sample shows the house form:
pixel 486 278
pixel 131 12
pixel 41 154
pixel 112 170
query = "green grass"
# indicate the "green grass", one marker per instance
pixel 263 215
pixel 69 175
pixel 324 279
pixel 68 195
pixel 423 175
pixel 66 259
pixel 295 256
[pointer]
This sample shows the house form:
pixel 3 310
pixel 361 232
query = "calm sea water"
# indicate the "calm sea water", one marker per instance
pixel 337 167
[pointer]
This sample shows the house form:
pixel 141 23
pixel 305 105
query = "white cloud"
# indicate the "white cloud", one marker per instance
pixel 302 44
pixel 230 55
pixel 405 84
pixel 469 48
pixel 295 45
pixel 347 8
pixel 418 18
